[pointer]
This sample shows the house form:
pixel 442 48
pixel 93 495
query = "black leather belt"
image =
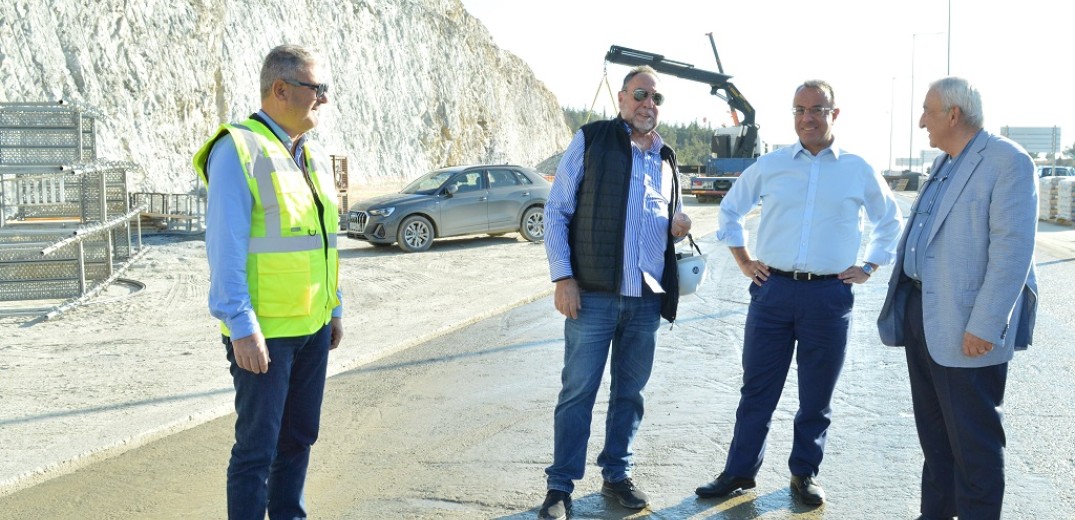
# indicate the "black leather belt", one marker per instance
pixel 917 284
pixel 801 276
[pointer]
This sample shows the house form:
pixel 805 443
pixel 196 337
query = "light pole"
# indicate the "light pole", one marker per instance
pixel 910 140
pixel 891 119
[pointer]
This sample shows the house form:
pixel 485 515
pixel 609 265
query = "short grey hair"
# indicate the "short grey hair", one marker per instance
pixel 285 62
pixel 821 85
pixel 958 92
pixel 641 69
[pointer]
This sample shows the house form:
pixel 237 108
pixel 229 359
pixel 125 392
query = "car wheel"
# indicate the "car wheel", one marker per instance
pixel 532 226
pixel 415 234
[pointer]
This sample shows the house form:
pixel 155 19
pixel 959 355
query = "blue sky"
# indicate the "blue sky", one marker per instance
pixel 1019 55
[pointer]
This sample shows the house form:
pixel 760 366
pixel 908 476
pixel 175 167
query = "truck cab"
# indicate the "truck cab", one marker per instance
pixel 721 169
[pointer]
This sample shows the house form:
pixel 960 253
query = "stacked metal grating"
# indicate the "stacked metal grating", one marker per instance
pixel 65 218
pixel 47 134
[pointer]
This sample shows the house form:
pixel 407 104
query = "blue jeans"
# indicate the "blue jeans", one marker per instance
pixel 629 326
pixel 807 319
pixel 278 417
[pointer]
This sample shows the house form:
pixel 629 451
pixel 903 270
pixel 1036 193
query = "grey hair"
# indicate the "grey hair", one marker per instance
pixel 958 92
pixel 284 62
pixel 821 85
pixel 641 69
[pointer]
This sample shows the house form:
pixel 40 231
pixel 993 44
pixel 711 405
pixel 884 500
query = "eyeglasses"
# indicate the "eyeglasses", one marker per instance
pixel 640 94
pixel 320 89
pixel 814 111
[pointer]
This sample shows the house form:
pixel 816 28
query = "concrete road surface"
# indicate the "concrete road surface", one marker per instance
pixel 461 426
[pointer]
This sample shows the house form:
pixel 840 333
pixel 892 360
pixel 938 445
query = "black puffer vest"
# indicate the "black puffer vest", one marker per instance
pixel 596 232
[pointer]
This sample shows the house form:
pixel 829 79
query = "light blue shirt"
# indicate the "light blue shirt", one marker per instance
pixel 923 218
pixel 646 234
pixel 812 207
pixel 227 233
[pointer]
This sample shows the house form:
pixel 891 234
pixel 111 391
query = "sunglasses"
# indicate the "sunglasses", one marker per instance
pixel 320 89
pixel 640 94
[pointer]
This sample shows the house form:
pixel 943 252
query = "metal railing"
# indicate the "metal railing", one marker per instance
pixel 172 212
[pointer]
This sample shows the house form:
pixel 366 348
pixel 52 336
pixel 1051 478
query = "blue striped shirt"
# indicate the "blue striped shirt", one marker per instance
pixel 227 234
pixel 646 234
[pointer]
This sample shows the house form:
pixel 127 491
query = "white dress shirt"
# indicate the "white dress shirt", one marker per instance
pixel 812 208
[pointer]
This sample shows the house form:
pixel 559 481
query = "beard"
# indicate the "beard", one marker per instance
pixel 643 123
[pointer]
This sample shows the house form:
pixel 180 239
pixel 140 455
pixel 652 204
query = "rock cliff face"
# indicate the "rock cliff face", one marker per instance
pixel 415 84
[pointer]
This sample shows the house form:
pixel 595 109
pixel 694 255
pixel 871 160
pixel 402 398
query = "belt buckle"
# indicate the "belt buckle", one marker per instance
pixel 806 276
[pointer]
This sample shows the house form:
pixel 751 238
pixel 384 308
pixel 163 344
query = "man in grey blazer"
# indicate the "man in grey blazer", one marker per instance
pixel 962 298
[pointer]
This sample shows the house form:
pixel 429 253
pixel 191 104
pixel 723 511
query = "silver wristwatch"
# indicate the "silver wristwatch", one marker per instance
pixel 867 268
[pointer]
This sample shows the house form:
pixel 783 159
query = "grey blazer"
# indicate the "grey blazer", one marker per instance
pixel 978 275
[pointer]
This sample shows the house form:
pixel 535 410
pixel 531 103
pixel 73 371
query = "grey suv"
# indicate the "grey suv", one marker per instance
pixel 461 200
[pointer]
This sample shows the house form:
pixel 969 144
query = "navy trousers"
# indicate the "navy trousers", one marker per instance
pixel 278 414
pixel 960 427
pixel 809 319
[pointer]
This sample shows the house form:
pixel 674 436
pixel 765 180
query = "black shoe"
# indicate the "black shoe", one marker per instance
pixel 626 493
pixel 808 490
pixel 724 485
pixel 557 505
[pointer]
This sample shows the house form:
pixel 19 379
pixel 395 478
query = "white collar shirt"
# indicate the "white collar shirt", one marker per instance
pixel 812 209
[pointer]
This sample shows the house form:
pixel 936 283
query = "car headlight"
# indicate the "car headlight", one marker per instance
pixel 382 212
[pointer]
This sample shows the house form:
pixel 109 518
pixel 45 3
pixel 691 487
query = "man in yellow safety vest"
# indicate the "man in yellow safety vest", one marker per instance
pixel 270 239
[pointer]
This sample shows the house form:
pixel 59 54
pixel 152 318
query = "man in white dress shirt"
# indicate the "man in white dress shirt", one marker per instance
pixel 814 195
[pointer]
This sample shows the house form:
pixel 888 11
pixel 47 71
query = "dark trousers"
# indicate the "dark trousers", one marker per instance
pixel 809 319
pixel 960 427
pixel 278 415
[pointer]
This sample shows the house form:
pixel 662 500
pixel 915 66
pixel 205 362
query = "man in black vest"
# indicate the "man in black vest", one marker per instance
pixel 611 221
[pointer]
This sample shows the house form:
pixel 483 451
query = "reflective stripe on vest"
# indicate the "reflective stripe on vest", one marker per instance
pixel 288 244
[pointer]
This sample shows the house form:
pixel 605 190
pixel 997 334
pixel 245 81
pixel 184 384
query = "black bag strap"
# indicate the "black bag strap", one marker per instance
pixel 693 244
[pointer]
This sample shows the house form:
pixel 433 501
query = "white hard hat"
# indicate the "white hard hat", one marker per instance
pixel 691 268
pixel 691 273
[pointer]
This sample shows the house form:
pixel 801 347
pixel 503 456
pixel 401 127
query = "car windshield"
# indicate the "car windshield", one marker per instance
pixel 428 183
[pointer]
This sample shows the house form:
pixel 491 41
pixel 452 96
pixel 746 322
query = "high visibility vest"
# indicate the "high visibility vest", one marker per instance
pixel 292 265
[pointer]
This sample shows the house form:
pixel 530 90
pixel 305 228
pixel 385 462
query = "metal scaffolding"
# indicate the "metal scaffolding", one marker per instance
pixel 65 220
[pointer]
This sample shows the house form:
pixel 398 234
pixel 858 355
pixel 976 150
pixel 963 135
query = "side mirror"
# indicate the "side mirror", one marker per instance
pixel 451 189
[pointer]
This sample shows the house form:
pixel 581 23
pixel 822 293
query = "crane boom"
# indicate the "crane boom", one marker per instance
pixel 719 85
